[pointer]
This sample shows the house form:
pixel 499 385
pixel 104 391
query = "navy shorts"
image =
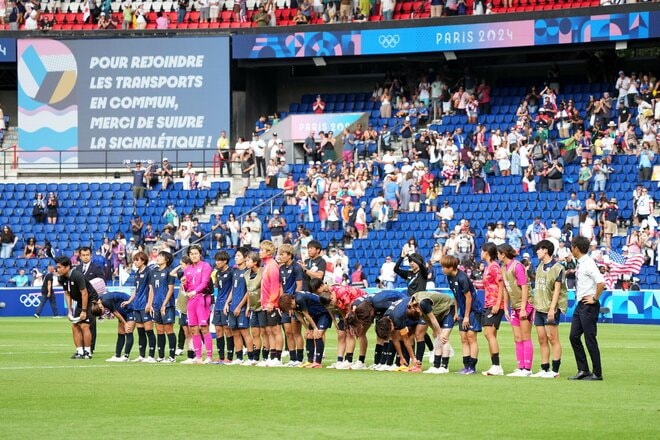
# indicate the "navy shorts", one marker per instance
pixel 341 325
pixel 183 320
pixel 240 322
pixel 490 319
pixel 475 322
pixel 219 318
pixel 167 318
pixel 448 320
pixel 273 318
pixel 258 319
pixel 285 318
pixel 140 316
pixel 541 319
pixel 323 321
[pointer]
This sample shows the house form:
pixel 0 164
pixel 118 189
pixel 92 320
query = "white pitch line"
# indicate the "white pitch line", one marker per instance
pixel 52 367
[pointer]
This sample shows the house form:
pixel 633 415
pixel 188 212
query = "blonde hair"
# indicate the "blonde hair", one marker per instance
pixel 267 246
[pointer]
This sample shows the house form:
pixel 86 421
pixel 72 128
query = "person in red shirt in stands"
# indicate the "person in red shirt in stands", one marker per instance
pixel 319 105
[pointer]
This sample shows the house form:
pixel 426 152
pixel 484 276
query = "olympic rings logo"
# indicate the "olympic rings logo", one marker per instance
pixel 389 41
pixel 30 299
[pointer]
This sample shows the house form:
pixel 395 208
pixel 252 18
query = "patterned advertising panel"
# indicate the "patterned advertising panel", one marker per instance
pixel 395 41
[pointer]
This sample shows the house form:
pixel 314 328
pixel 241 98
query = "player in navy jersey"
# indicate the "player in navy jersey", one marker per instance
pixel 222 276
pixel 468 311
pixel 161 288
pixel 291 277
pixel 317 320
pixel 141 306
pixel 236 306
pixel 112 302
pixel 394 326
pixel 363 312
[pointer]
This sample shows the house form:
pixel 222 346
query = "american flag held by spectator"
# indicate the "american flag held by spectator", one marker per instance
pixel 620 265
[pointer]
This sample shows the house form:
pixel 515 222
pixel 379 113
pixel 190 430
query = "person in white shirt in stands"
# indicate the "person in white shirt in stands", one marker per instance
pixel 590 284
pixel 387 275
pixel 446 212
pixel 31 22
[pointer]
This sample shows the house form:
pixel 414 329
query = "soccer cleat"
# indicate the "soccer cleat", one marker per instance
pixel 305 364
pixel 549 375
pixel 160 360
pixel 138 359
pixel 375 367
pixel 249 363
pixel 149 360
pixel 520 373
pixel 274 363
pixel 431 370
pixel 86 355
pixel 296 364
pixel 400 368
pixel 494 370
pixel 390 368
pixel 443 370
pixel 77 355
pixel 415 368
pixel 290 364
pixel 261 363
pixel 170 359
pixel 178 352
pixel 467 371
pixel 114 359
pixel 236 362
pixel 334 365
pixel 358 366
pixel 343 365
pixel 207 361
pixel 188 361
pixel 539 373
pixel 36 316
pixel 314 365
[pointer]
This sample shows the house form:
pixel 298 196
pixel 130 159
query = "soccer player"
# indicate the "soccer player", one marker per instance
pixel 260 341
pixel 77 288
pixel 161 288
pixel 468 311
pixel 291 277
pixel 363 312
pixel 141 306
pixel 223 282
pixel 437 310
pixel 112 304
pixel 394 326
pixel 91 271
pixel 494 306
pixel 182 308
pixel 48 293
pixel 339 299
pixel 550 301
pixel 316 319
pixel 236 307
pixel 314 266
pixel 271 290
pixel 196 279
pixel 516 294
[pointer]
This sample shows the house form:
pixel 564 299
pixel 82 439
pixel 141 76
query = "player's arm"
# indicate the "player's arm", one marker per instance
pixel 119 317
pixel 468 308
pixel 435 325
pixel 168 296
pixel 500 296
pixel 49 288
pixel 84 297
pixel 397 268
pixel 67 301
pixel 242 304
pixel 150 300
pixel 130 299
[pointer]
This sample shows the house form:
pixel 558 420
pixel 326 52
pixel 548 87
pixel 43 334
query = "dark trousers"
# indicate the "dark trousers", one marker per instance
pixel 92 329
pixel 261 166
pixel 53 304
pixel 585 318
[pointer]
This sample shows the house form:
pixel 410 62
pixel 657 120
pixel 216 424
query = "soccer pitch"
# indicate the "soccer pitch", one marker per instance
pixel 47 395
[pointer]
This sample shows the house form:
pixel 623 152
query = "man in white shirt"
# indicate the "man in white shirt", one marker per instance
pixel 622 85
pixel 387 275
pixel 259 148
pixel 446 212
pixel 590 284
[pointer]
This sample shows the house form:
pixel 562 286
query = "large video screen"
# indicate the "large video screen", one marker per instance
pixel 90 102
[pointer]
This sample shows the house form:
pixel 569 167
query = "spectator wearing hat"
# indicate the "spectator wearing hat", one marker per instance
pixel 610 215
pixel 277 226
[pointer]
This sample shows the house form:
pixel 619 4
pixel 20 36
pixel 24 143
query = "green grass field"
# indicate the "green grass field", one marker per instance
pixel 47 395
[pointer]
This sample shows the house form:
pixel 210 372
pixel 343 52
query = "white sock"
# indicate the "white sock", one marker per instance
pixel 88 350
pixel 79 350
